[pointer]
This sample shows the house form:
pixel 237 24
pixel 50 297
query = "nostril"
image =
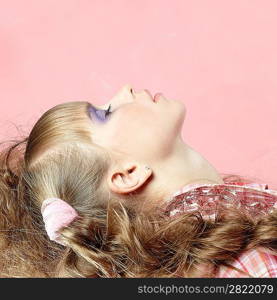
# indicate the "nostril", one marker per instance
pixel 132 92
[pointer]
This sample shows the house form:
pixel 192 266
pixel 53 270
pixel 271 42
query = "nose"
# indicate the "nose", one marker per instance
pixel 126 94
pixel 127 88
pixel 130 95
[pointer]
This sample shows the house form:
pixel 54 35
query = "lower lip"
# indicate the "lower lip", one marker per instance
pixel 157 97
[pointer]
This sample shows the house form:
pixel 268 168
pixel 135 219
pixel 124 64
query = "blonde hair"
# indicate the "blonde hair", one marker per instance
pixel 109 239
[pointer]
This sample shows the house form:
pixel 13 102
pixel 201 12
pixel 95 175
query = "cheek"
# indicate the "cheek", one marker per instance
pixel 133 121
pixel 154 128
pixel 131 126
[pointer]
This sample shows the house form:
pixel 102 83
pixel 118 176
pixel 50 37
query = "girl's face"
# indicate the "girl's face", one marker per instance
pixel 137 125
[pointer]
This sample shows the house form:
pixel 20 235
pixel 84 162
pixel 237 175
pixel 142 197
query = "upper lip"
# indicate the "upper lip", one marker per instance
pixel 156 96
pixel 147 91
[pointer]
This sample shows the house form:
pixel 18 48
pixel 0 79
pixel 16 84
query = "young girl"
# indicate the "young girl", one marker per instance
pixel 114 191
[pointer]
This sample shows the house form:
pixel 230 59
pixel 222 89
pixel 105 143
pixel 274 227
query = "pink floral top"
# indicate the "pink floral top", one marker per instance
pixel 254 197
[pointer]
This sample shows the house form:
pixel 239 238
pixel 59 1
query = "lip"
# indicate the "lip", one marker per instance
pixel 147 91
pixel 157 96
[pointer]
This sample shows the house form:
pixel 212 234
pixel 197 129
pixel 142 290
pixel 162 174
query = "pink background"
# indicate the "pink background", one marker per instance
pixel 219 57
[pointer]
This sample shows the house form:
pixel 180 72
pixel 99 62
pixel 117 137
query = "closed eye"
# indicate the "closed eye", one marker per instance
pixel 100 114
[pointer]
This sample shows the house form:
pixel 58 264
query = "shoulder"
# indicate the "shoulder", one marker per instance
pixel 257 263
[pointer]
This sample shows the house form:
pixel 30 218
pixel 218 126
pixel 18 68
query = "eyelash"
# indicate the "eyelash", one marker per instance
pixel 108 110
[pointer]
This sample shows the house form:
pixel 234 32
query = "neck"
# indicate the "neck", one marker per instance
pixel 182 167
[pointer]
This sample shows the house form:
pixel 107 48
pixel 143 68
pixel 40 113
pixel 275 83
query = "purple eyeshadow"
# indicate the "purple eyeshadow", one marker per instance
pixel 100 114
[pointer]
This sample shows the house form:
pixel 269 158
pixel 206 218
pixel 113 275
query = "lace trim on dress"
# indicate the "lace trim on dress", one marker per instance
pixel 253 198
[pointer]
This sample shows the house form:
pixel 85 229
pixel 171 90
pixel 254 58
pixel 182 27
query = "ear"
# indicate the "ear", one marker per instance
pixel 128 178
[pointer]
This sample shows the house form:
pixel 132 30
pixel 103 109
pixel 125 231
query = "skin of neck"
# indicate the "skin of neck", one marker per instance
pixel 182 167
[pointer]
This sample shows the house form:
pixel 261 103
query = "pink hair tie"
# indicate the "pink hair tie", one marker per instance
pixel 56 214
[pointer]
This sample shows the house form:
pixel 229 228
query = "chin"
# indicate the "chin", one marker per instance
pixel 180 114
pixel 182 107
